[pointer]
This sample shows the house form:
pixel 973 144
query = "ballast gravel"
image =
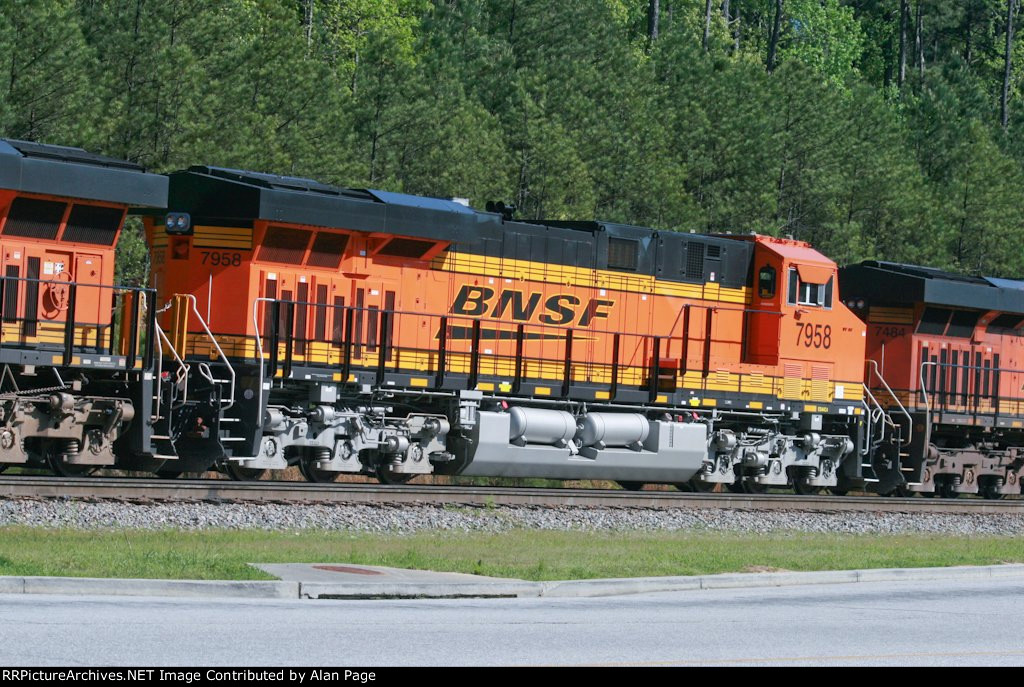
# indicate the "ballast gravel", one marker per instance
pixel 408 519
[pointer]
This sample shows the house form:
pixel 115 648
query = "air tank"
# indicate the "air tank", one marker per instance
pixel 540 426
pixel 613 429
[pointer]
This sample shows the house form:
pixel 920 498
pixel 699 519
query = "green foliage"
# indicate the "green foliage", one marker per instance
pixel 568 110
pixel 522 554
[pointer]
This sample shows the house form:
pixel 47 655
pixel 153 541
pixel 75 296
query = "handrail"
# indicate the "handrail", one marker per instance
pixel 220 351
pixel 259 353
pixel 927 401
pixel 903 410
pixel 181 380
pixel 876 414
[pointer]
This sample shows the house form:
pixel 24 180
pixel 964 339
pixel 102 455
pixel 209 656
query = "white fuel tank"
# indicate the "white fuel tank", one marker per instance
pixel 613 429
pixel 540 426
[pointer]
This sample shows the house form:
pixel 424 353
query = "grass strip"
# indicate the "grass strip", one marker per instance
pixel 529 555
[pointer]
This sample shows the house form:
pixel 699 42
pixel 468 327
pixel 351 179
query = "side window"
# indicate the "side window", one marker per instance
pixel 766 280
pixel 808 293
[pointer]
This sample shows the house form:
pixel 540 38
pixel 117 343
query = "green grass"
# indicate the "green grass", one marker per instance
pixel 524 554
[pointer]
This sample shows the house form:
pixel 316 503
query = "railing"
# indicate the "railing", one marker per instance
pixel 874 371
pixel 363 337
pixel 59 322
pixel 181 375
pixel 204 369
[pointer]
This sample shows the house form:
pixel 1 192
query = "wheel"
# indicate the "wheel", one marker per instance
pixel 948 490
pixel 698 486
pixel 800 486
pixel 991 492
pixel 684 486
pixel 631 486
pixel 385 476
pixel 64 469
pixel 736 487
pixel 315 474
pixel 752 487
pixel 240 473
pixel 903 491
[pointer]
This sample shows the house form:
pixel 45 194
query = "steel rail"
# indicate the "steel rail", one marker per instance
pixel 226 491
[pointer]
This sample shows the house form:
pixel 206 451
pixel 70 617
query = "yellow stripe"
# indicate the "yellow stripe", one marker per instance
pixel 222 237
pixel 507 268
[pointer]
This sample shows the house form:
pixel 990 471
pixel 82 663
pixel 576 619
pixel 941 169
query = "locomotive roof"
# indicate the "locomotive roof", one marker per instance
pixel 890 282
pixel 62 171
pixel 232 194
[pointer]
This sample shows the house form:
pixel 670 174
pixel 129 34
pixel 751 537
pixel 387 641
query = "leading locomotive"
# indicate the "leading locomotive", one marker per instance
pixel 386 334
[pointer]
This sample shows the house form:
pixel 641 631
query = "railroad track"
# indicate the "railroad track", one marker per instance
pixel 146 490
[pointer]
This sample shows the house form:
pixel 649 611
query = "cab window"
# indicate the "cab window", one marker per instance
pixel 808 293
pixel 766 279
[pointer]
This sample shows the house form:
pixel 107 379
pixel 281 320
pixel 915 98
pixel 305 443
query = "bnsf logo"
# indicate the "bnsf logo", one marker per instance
pixel 477 301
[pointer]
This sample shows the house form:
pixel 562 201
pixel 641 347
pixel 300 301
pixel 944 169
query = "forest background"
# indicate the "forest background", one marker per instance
pixel 884 129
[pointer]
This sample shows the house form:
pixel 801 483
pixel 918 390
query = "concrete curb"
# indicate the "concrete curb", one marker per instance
pixel 419 590
pixel 585 588
pixel 512 588
pixel 137 587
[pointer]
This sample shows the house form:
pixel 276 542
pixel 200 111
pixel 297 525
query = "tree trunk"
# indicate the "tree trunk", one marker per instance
pixel 902 74
pixel 707 24
pixel 736 31
pixel 653 12
pixel 1004 103
pixel 308 21
pixel 773 42
pixel 919 40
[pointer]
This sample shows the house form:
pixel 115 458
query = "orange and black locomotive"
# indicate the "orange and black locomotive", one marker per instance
pixel 294 323
pixel 382 333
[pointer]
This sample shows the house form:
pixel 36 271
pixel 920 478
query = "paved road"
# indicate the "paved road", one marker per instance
pixel 936 623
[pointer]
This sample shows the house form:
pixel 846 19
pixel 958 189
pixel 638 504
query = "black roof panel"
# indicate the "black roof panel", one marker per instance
pixel 62 171
pixel 895 283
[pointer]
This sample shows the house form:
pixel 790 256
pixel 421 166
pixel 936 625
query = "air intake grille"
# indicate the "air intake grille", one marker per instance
pixel 406 248
pixel 327 250
pixel 284 245
pixel 622 254
pixel 93 224
pixel 38 219
pixel 694 260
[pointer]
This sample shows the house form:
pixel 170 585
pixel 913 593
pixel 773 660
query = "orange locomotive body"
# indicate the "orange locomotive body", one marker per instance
pixel 395 335
pixel 946 360
pixel 77 363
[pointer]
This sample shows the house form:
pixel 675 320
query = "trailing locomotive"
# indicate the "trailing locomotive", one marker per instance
pixel 944 358
pixel 367 332
pixel 77 353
